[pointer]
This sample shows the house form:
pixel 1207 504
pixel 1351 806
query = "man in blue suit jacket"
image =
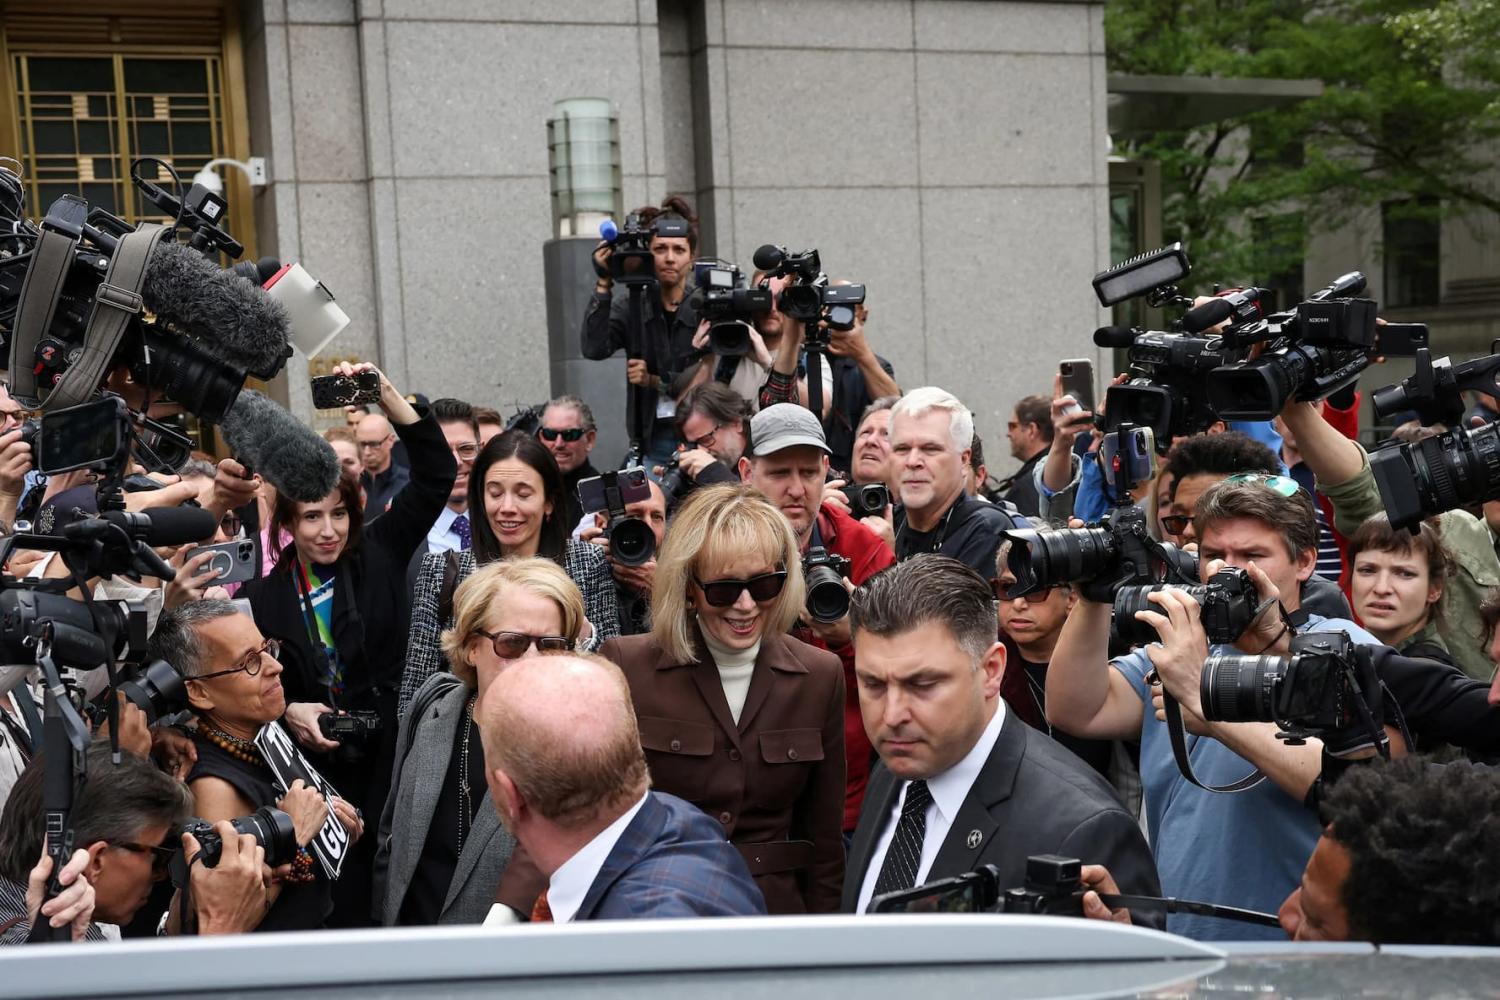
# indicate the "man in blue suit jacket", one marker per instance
pixel 566 772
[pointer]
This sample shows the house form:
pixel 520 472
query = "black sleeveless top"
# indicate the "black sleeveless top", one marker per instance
pixel 301 906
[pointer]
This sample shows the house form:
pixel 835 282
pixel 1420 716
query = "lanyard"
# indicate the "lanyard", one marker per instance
pixel 303 583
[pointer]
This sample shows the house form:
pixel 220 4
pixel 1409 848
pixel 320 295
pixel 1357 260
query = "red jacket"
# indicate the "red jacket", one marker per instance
pixel 867 554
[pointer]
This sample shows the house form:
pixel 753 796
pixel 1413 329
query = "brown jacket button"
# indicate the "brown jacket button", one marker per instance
pixel 791 753
pixel 675 745
pixel 734 754
pixel 724 818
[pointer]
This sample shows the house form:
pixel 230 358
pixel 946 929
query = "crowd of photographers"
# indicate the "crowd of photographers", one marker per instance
pixel 803 607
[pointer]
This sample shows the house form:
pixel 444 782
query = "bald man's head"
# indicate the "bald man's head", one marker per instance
pixel 376 438
pixel 562 728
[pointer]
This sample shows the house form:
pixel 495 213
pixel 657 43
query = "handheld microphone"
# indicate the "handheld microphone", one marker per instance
pixel 1114 336
pixel 608 230
pixel 288 453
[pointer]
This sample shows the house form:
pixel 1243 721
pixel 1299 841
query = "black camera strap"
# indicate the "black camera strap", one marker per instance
pixel 1179 750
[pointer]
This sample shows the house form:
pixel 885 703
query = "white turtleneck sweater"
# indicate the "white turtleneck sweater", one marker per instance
pixel 735 667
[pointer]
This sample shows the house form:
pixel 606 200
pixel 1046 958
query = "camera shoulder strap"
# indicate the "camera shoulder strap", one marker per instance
pixel 1179 751
pixel 51 260
pixel 117 301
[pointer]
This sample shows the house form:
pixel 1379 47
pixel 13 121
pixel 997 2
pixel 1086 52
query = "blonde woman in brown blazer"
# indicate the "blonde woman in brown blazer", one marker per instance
pixel 736 716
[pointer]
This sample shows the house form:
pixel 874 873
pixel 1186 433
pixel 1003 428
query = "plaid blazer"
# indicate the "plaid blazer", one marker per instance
pixel 671 861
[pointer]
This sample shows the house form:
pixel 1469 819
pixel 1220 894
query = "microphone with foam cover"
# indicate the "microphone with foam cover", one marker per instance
pixel 232 316
pixel 1114 336
pixel 769 257
pixel 288 453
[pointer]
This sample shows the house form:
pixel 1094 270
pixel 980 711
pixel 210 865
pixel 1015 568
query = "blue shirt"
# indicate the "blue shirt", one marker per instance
pixel 1243 849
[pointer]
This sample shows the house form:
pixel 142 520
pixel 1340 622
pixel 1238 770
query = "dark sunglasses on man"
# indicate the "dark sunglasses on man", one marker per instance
pixel 723 593
pixel 570 435
pixel 1002 592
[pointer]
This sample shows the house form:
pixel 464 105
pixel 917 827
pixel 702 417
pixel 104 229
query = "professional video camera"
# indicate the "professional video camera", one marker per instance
pixel 1326 689
pixel 1227 604
pixel 827 598
pixel 1457 468
pixel 867 499
pixel 1117 552
pixel 1314 350
pixel 730 307
pixel 631 261
pixel 811 300
pixel 1167 369
pixel 631 541
pixel 1053 886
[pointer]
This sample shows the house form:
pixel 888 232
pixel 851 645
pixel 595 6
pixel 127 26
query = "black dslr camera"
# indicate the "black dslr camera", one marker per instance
pixel 1226 607
pixel 1458 467
pixel 631 541
pixel 1117 552
pixel 827 600
pixel 675 484
pixel 730 307
pixel 866 499
pixel 1327 688
pixel 349 727
pixel 631 261
pixel 271 828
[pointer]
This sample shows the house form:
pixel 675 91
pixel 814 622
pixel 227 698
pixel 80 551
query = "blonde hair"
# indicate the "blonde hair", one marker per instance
pixel 486 587
pixel 715 526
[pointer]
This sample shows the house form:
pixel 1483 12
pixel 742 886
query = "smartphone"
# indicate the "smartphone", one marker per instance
pixel 332 391
pixel 234 562
pixel 593 494
pixel 1138 451
pixel 974 892
pixel 90 435
pixel 1078 382
pixel 1400 340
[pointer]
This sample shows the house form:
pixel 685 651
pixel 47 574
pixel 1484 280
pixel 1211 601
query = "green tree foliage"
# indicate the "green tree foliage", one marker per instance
pixel 1408 112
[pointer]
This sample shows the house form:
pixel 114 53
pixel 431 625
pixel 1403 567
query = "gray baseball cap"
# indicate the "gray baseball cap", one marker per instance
pixel 785 425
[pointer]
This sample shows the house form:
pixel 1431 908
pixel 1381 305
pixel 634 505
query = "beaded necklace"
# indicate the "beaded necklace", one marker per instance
pixel 235 746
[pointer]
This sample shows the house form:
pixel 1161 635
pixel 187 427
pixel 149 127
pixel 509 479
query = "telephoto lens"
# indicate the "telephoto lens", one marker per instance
pixel 1308 689
pixel 271 828
pixel 827 598
pixel 1226 607
pixel 631 541
pixel 156 689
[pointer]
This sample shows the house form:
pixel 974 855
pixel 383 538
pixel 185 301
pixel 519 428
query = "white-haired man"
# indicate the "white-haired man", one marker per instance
pixel 931 432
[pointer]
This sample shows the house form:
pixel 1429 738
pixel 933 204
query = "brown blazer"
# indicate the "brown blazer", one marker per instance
pixel 775 781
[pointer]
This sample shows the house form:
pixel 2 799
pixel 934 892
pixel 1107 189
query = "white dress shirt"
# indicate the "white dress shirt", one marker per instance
pixel 571 882
pixel 441 537
pixel 949 790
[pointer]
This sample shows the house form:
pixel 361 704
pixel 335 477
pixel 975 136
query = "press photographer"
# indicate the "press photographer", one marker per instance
pixel 1243 849
pixel 713 423
pixel 652 258
pixel 634 574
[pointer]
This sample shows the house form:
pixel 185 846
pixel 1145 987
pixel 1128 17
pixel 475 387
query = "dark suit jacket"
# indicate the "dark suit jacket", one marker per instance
pixel 671 861
pixel 775 782
pixel 1031 797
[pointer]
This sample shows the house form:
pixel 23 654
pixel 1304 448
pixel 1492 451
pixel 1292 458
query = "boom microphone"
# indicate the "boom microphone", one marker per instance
pixel 1211 313
pixel 245 326
pixel 159 526
pixel 1114 336
pixel 281 448
pixel 769 257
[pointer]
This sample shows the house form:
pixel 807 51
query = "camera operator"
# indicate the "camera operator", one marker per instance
pixel 712 423
pixel 633 583
pixel 1407 856
pixel 930 436
pixel 786 382
pixel 1244 849
pixel 1343 474
pixel 568 430
pixel 788 462
pixel 124 821
pixel 860 376
pixel 234 687
pixel 669 322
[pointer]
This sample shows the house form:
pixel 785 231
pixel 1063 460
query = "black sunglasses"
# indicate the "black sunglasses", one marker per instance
pixel 513 645
pixel 1002 592
pixel 723 593
pixel 1176 524
pixel 569 435
pixel 159 855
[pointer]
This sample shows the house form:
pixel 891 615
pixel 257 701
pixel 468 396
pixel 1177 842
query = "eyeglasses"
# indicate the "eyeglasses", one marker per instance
pixel 570 435
pixel 466 452
pixel 366 445
pixel 707 441
pixel 1285 485
pixel 250 664
pixel 513 645
pixel 159 855
pixel 18 415
pixel 723 593
pixel 1002 592
pixel 1175 524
